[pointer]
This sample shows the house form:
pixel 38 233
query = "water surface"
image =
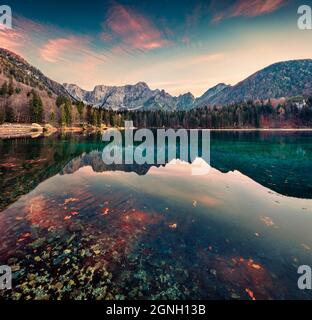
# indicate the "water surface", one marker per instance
pixel 72 227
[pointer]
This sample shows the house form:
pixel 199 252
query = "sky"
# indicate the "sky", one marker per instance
pixel 180 46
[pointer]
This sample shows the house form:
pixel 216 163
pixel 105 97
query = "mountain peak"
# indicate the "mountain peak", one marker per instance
pixel 142 84
pixel 216 88
pixel 210 94
pixel 187 94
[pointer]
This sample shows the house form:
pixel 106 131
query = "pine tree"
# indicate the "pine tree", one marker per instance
pixel 80 107
pixel 35 108
pixel 52 117
pixel 2 116
pixel 9 114
pixel 60 100
pixel 62 116
pixel 94 118
pixel 68 112
pixel 89 115
pixel 4 89
pixel 10 88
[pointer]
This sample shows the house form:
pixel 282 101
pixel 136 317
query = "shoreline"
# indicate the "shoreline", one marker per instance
pixel 13 131
pixel 34 130
pixel 263 129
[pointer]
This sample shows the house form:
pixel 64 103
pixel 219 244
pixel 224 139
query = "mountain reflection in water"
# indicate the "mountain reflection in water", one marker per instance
pixel 73 227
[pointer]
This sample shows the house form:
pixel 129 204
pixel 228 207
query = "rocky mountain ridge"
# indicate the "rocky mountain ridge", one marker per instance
pixel 280 80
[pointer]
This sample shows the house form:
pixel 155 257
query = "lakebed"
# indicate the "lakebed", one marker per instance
pixel 75 228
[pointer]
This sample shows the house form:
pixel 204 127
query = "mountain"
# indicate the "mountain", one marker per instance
pixel 185 101
pixel 282 79
pixel 131 97
pixel 95 161
pixel 12 65
pixel 211 94
pixel 22 78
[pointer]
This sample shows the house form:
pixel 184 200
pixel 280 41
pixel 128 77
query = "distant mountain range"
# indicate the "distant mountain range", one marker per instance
pixel 130 97
pixel 280 80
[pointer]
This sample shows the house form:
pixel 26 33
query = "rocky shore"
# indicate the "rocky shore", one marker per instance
pixel 8 130
pixel 20 130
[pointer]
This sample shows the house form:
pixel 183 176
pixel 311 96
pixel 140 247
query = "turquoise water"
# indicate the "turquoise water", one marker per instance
pixel 72 227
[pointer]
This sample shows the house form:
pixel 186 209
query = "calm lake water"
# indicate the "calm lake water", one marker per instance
pixel 72 227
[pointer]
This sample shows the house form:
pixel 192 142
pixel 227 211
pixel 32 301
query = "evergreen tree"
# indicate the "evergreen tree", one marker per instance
pixel 52 117
pixel 60 100
pixel 62 116
pixel 99 118
pixel 10 87
pixel 94 118
pixel 80 108
pixel 68 112
pixel 4 89
pixel 35 108
pixel 89 115
pixel 9 114
pixel 2 116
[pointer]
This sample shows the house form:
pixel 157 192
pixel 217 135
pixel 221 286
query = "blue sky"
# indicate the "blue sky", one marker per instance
pixel 179 46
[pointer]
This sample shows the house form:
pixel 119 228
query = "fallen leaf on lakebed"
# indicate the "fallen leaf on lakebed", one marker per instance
pixel 70 200
pixel 250 293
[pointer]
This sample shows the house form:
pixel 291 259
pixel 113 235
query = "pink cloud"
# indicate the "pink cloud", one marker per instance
pixel 60 54
pixel 105 36
pixel 18 38
pixel 11 39
pixel 32 39
pixel 25 37
pixel 69 48
pixel 55 48
pixel 249 8
pixel 28 25
pixel 134 30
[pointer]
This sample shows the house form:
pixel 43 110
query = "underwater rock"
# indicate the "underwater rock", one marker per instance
pixel 213 272
pixel 37 243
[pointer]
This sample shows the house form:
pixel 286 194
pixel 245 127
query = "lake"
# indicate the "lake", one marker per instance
pixel 72 227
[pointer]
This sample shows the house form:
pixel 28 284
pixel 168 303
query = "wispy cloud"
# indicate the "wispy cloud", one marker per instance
pixel 195 15
pixel 54 49
pixel 18 38
pixel 205 58
pixel 72 57
pixel 106 37
pixel 133 30
pixel 59 53
pixel 249 8
pixel 11 39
